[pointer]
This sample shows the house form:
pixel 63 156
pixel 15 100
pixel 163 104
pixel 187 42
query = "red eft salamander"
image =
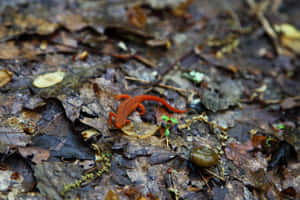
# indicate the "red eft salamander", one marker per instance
pixel 130 104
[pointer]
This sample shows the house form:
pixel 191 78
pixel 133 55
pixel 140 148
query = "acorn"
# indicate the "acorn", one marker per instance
pixel 204 157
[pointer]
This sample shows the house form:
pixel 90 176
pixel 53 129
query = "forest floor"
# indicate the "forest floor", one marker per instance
pixel 233 65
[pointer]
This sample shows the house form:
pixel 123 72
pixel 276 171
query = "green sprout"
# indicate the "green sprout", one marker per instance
pixel 167 132
pixel 195 76
pixel 169 123
pixel 280 126
pixel 268 141
pixel 166 118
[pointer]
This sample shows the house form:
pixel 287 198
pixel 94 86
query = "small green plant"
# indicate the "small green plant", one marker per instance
pixel 169 122
pixel 280 126
pixel 268 141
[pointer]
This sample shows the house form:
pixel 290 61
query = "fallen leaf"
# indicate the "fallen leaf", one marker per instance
pixel 38 154
pixel 49 79
pixel 5 77
pixel 8 50
pixel 137 16
pixel 140 130
pixel 288 31
pixel 72 21
pixel 111 195
pixel 290 102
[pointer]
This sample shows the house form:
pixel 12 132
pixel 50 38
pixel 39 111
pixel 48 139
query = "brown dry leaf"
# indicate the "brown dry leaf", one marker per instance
pixel 140 130
pixel 5 77
pixel 72 21
pixel 290 102
pixel 38 154
pixel 256 141
pixel 28 23
pixel 242 158
pixel 65 40
pixel 111 195
pixel 180 10
pixel 83 55
pixel 137 16
pixel 8 50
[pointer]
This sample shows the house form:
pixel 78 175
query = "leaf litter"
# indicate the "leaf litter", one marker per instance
pixel 241 88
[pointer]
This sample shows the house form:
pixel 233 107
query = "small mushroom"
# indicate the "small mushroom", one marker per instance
pixel 204 157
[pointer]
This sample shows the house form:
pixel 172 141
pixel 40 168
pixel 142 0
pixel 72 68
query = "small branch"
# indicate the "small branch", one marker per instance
pixel 259 10
pixel 182 91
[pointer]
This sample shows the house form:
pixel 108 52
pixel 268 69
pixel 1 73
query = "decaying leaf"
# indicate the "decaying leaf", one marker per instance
pixel 49 79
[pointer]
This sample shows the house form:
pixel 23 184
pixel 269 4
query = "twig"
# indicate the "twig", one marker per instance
pixel 159 85
pixel 115 55
pixel 214 174
pixel 170 67
pixel 259 12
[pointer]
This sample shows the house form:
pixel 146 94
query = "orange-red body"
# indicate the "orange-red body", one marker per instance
pixel 130 104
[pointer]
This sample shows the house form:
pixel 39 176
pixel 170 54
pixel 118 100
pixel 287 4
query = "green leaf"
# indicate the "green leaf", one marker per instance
pixel 166 118
pixel 174 120
pixel 268 142
pixel 280 126
pixel 167 132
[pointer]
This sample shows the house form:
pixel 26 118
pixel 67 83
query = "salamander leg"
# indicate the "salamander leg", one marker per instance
pixel 122 96
pixel 111 114
pixel 127 122
pixel 142 109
